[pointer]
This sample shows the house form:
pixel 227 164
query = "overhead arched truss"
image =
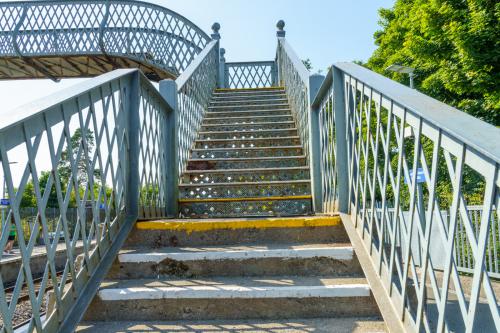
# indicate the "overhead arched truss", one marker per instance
pixel 60 39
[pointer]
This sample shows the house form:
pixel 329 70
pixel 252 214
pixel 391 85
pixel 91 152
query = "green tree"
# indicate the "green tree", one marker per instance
pixel 454 47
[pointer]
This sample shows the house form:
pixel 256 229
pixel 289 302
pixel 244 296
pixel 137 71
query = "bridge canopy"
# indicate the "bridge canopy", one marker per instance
pixel 62 39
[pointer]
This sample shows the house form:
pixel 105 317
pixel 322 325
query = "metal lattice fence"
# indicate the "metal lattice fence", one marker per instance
pixel 259 74
pixel 423 196
pixel 95 152
pixel 86 38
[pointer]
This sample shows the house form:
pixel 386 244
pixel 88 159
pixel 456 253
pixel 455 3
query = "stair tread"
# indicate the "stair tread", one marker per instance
pixel 253 100
pixel 247 158
pixel 245 170
pixel 250 139
pixel 248 148
pixel 339 251
pixel 222 287
pixel 248 124
pixel 246 106
pixel 253 132
pixel 272 182
pixel 288 325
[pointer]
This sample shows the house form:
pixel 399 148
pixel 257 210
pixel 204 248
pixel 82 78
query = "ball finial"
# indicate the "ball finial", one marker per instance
pixel 280 25
pixel 216 27
pixel 222 51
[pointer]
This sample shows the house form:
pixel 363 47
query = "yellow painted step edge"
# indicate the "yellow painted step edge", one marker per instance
pixel 231 224
pixel 296 197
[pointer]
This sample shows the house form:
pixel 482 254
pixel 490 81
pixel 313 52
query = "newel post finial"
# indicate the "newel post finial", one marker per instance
pixel 215 28
pixel 222 53
pixel 280 25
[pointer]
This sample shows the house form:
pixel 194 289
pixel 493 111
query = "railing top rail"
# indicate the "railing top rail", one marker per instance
pixel 298 64
pixel 34 108
pixel 474 132
pixel 100 2
pixel 193 66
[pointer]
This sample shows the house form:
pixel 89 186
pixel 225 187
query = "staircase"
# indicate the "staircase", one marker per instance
pixel 248 159
pixel 235 275
pixel 240 273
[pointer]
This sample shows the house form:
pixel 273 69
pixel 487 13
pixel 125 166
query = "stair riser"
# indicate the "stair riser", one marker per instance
pixel 317 266
pixel 240 102
pixel 231 308
pixel 247 120
pixel 263 208
pixel 248 143
pixel 239 113
pixel 244 191
pixel 250 176
pixel 248 127
pixel 247 135
pixel 246 153
pixel 248 106
pixel 245 164
pixel 218 237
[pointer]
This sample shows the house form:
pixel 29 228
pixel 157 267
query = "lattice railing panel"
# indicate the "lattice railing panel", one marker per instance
pixel 295 78
pixel 423 196
pixel 144 32
pixel 261 74
pixel 195 89
pixel 74 160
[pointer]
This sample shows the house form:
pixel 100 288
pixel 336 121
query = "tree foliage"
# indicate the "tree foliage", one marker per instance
pixel 454 47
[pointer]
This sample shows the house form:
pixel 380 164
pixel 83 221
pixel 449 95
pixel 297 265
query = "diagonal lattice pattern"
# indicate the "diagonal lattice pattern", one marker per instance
pixel 86 38
pixel 425 202
pixel 78 151
pixel 295 77
pixel 243 75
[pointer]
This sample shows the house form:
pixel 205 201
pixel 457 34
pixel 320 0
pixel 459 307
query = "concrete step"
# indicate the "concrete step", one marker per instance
pixel 248 126
pixel 246 163
pixel 243 260
pixel 289 325
pixel 244 175
pixel 247 119
pixel 237 231
pixel 247 96
pixel 246 101
pixel 237 134
pixel 242 143
pixel 263 190
pixel 246 113
pixel 248 106
pixel 246 152
pixel 248 91
pixel 232 298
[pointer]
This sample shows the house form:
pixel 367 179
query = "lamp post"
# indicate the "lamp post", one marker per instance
pixel 403 70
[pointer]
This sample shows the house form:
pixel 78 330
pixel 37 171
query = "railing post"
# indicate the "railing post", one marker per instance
pixel 222 69
pixel 281 35
pixel 216 36
pixel 168 89
pixel 315 82
pixel 133 121
pixel 341 158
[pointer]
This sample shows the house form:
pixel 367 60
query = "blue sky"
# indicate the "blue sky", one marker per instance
pixel 324 31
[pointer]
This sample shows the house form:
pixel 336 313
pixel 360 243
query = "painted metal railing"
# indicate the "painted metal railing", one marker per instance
pixel 294 76
pixel 99 147
pixel 256 74
pixel 194 90
pixel 383 143
pixel 86 38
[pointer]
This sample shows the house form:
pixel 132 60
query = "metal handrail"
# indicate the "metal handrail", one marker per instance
pixel 376 135
pixel 110 34
pixel 106 141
